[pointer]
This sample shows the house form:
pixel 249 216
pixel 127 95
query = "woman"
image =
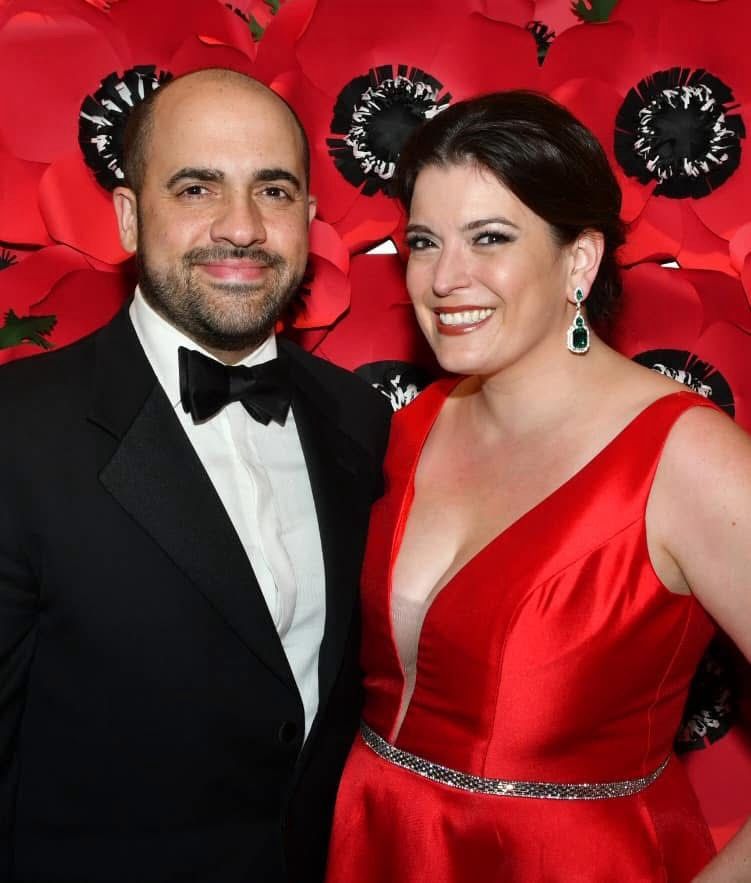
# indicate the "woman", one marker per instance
pixel 560 529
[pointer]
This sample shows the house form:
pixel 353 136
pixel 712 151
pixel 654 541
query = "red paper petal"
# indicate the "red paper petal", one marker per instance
pixel 643 18
pixel 336 196
pixel 656 235
pixel 728 349
pixel 156 30
pixel 468 63
pixel 78 212
pixel 277 51
pixel 369 222
pixel 557 15
pixel 328 296
pixel 714 38
pixel 380 324
pixel 82 302
pixel 329 289
pixel 337 45
pixel 20 219
pixel 596 104
pixel 199 54
pixel 725 808
pixel 28 282
pixel 660 309
pixel 740 247
pixel 726 209
pixel 515 12
pixel 691 312
pixel 53 60
pixel 326 243
pixel 701 248
pixel 746 277
pixel 721 297
pixel 610 52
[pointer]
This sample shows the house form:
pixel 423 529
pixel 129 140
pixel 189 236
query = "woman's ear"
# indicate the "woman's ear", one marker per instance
pixel 587 251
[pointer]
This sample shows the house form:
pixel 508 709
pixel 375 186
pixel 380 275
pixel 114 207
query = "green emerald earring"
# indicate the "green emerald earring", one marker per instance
pixel 577 336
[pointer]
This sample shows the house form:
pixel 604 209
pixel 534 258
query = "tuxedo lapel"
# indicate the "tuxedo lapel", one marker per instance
pixel 156 476
pixel 336 466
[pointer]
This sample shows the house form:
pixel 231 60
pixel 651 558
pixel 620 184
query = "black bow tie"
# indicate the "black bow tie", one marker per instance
pixel 206 386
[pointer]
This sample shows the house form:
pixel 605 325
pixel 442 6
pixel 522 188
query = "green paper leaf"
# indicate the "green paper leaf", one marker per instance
pixel 592 10
pixel 26 329
pixel 255 29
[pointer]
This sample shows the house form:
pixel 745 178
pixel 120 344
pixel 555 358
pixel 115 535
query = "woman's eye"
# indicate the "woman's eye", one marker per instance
pixel 490 237
pixel 419 243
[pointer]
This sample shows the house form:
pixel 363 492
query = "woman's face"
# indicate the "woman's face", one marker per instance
pixel 487 279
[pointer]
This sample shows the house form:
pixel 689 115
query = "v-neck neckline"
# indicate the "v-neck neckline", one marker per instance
pixel 409 492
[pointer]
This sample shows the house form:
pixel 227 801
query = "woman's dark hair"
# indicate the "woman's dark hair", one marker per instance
pixel 546 158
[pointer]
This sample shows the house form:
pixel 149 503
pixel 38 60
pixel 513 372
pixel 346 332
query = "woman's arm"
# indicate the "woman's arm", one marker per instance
pixel 699 530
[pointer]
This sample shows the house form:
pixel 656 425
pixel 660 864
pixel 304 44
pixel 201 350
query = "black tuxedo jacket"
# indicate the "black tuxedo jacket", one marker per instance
pixel 150 726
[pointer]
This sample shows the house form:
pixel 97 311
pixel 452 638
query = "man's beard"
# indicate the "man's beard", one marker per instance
pixel 188 304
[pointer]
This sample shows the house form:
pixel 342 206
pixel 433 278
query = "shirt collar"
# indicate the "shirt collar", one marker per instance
pixel 161 341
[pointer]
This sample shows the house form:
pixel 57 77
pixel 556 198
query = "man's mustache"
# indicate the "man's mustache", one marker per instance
pixel 219 253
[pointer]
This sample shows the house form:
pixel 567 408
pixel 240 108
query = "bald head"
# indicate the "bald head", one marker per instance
pixel 145 116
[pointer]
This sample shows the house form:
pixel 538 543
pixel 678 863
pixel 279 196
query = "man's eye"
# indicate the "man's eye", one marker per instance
pixel 276 193
pixel 193 190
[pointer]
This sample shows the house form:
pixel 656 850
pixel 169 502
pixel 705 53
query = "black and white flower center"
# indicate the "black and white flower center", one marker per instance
pixel 543 38
pixel 7 259
pixel 103 115
pixel 399 382
pixel 677 127
pixel 687 368
pixel 374 115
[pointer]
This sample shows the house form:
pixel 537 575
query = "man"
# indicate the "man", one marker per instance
pixel 179 549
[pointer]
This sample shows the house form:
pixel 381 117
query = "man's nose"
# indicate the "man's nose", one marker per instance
pixel 239 221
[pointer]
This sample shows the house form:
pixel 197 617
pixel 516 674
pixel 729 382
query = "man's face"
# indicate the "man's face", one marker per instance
pixel 221 223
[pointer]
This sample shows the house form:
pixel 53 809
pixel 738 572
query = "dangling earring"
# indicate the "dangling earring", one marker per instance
pixel 577 336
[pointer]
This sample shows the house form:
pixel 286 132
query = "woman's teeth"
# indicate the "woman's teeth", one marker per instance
pixel 465 317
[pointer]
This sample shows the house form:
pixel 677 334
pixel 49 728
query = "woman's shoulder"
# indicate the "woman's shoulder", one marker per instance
pixel 633 391
pixel 705 441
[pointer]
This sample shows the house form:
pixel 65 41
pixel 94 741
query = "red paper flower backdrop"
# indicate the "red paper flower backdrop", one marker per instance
pixel 667 90
pixel 54 297
pixel 361 86
pixel 61 135
pixel 378 337
pixel 665 86
pixel 693 326
pixel 64 117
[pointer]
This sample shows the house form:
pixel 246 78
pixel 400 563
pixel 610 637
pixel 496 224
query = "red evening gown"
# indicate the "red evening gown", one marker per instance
pixel 554 656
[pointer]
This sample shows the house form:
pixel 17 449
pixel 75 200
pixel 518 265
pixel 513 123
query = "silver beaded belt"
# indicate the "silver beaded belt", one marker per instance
pixel 505 787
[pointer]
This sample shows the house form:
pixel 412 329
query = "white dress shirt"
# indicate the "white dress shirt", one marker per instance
pixel 260 475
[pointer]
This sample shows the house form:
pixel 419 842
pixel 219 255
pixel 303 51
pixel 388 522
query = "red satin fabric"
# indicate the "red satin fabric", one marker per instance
pixel 555 655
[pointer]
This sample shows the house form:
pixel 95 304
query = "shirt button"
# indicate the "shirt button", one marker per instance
pixel 287 732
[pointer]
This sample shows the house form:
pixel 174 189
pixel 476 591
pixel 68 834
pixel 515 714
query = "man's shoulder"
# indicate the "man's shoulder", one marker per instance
pixel 49 371
pixel 362 411
pixel 48 393
pixel 337 381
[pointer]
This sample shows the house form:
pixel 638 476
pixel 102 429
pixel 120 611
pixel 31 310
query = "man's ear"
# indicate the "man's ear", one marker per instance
pixel 126 203
pixel 312 208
